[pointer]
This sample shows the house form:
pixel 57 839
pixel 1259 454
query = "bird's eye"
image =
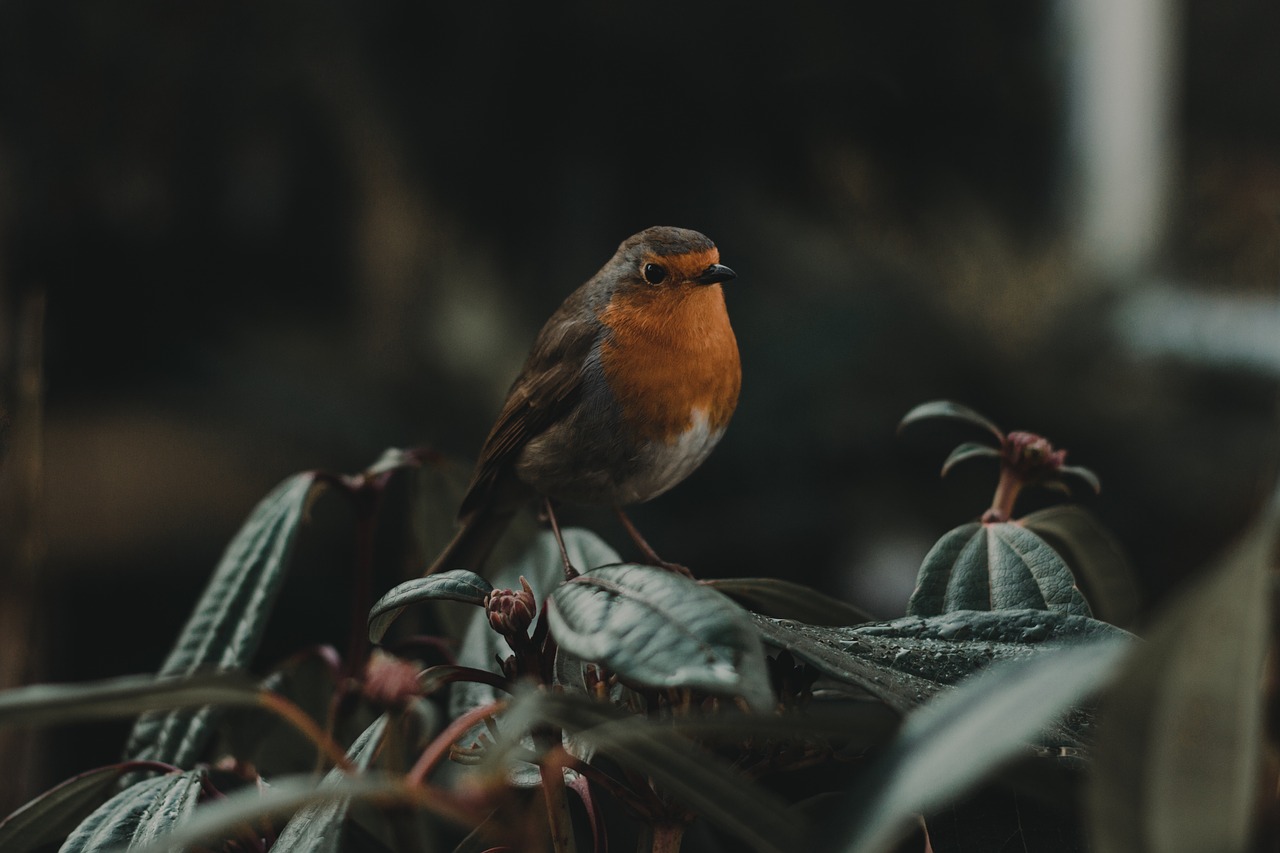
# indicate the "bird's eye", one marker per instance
pixel 654 273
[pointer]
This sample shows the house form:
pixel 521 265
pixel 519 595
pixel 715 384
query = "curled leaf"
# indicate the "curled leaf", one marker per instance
pixel 1082 473
pixel 948 409
pixel 455 585
pixel 968 450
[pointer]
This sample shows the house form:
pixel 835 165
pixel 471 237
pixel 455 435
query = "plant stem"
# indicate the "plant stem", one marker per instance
pixel 1006 496
pixel 559 820
pixel 299 719
pixel 439 747
pixel 662 838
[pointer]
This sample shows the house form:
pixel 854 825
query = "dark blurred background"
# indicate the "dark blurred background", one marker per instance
pixel 240 239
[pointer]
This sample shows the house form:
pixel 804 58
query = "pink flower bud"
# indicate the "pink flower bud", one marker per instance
pixel 511 612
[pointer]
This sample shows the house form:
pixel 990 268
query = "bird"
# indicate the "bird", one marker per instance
pixel 627 388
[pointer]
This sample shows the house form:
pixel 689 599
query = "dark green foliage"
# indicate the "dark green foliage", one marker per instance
pixel 659 629
pixel 455 585
pixel 1000 566
pixel 318 827
pixel 766 715
pixel 228 622
pixel 53 815
pixel 139 815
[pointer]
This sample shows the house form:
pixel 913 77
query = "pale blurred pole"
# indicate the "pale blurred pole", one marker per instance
pixel 1121 90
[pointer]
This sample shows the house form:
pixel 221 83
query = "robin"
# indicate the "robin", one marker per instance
pixel 626 390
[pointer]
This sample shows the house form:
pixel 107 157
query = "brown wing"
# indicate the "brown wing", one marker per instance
pixel 548 385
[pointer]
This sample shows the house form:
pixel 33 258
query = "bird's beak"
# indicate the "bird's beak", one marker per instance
pixel 715 274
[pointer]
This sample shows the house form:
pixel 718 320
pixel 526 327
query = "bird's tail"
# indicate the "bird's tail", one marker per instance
pixel 472 544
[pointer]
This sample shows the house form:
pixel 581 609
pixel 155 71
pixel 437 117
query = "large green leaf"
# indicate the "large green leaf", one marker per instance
pixel 454 585
pixel 1000 566
pixel 226 817
pixel 906 661
pixel 52 704
pixel 783 599
pixel 318 827
pixel 958 740
pixel 51 816
pixel 227 624
pixel 1095 558
pixel 1181 738
pixel 660 629
pixel 138 815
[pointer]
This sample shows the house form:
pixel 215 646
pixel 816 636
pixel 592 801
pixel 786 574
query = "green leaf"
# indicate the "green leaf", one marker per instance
pixel 998 566
pixel 225 818
pixel 1181 737
pixel 903 663
pixel 53 704
pixel 784 599
pixel 958 740
pixel 318 827
pixel 138 815
pixel 968 450
pixel 51 816
pixel 947 409
pixel 455 585
pixel 1082 473
pixel 1095 558
pixel 228 622
pixel 660 629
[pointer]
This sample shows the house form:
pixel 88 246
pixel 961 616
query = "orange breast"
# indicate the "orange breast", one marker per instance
pixel 671 353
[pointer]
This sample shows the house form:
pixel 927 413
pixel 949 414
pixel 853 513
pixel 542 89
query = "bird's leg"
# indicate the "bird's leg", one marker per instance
pixel 646 550
pixel 569 571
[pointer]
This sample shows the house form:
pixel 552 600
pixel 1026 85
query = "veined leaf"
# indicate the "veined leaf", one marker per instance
pixel 958 740
pixel 784 599
pixel 227 624
pixel 138 815
pixel 224 818
pixel 903 663
pixel 50 817
pixel 1181 734
pixel 1000 566
pixel 317 828
pixel 660 629
pixel 454 585
pixel 1095 558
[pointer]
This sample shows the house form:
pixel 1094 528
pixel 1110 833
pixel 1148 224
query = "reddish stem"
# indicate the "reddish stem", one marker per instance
pixel 440 747
pixel 666 837
pixel 1007 491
